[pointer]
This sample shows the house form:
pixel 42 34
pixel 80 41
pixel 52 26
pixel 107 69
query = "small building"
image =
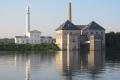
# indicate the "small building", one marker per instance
pixel 21 39
pixel 35 37
pixel 46 39
pixel 7 41
pixel 32 37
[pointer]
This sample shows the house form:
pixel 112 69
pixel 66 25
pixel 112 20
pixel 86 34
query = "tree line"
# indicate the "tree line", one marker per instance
pixel 113 40
pixel 28 47
pixel 113 45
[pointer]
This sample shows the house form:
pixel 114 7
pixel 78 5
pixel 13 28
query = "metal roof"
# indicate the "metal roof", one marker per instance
pixel 70 26
pixel 94 26
pixel 35 31
pixel 67 26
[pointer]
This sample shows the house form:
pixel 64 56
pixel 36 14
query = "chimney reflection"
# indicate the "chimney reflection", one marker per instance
pixel 27 70
pixel 70 61
pixel 24 60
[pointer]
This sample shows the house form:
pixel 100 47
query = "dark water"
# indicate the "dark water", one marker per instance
pixel 66 65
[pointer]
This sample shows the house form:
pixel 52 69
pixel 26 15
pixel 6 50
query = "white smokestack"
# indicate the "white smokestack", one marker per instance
pixel 28 20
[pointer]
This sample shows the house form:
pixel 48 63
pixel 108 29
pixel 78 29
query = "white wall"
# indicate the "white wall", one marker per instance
pixel 46 39
pixel 62 41
pixel 35 38
pixel 21 40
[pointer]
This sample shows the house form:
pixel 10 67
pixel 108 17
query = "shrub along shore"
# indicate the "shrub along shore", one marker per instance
pixel 28 47
pixel 113 44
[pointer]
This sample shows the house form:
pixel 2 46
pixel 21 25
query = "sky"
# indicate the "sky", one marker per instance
pixel 47 15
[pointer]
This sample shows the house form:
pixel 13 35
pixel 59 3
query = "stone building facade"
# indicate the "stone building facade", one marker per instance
pixel 67 36
pixel 70 36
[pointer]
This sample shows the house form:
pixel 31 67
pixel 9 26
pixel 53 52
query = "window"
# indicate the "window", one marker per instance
pixel 101 32
pixel 96 32
pixel 27 41
pixel 91 32
pixel 17 41
pixel 70 32
pixel 73 40
pixel 45 41
pixel 86 33
pixel 49 41
pixel 23 41
pixel 41 40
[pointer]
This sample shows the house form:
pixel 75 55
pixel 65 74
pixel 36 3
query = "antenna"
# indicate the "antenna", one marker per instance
pixel 27 2
pixel 69 0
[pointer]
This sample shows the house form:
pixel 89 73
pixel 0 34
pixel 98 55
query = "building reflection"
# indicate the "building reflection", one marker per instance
pixel 32 62
pixel 23 59
pixel 67 63
pixel 27 70
pixel 96 59
pixel 70 63
pixel 96 62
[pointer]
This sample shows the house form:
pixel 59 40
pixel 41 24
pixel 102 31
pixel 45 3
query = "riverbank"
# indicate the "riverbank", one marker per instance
pixel 28 47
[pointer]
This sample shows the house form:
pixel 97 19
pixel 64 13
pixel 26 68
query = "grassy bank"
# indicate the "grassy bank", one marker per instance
pixel 28 47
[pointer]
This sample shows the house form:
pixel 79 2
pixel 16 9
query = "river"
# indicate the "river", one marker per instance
pixel 60 65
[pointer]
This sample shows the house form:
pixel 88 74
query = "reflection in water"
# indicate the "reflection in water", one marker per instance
pixel 74 62
pixel 62 65
pixel 32 62
pixel 96 60
pixel 27 70
pixel 23 59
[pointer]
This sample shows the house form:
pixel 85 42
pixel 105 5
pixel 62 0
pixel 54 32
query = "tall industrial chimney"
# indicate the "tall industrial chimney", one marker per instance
pixel 28 20
pixel 70 11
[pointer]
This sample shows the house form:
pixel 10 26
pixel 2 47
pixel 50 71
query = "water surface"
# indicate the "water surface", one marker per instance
pixel 62 65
